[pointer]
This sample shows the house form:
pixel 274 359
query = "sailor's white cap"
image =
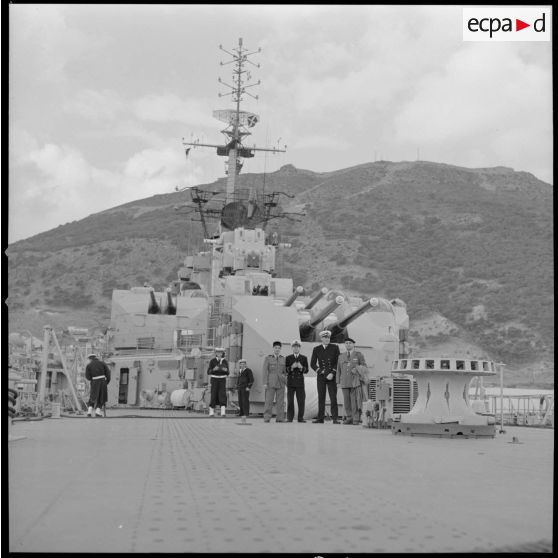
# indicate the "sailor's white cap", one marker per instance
pixel 219 349
pixel 91 355
pixel 325 333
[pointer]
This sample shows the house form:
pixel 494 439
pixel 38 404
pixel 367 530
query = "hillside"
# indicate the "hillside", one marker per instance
pixel 472 247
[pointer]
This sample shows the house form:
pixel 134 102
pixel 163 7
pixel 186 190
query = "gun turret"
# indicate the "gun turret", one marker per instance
pixel 308 327
pixel 339 326
pixel 153 307
pixel 293 297
pixel 317 297
pixel 171 308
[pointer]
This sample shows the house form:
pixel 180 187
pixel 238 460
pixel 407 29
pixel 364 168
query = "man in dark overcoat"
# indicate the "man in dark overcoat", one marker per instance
pixel 244 382
pixel 324 362
pixel 296 365
pixel 98 373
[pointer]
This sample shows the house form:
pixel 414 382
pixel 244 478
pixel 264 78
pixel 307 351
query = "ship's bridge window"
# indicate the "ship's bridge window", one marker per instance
pixel 445 364
pixel 460 365
pixel 474 365
pixel 403 364
pixel 429 364
pixel 485 366
pixel 416 364
pixel 395 364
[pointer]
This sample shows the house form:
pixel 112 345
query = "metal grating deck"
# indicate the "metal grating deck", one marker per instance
pixel 210 485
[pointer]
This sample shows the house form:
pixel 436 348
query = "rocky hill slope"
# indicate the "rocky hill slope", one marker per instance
pixel 468 250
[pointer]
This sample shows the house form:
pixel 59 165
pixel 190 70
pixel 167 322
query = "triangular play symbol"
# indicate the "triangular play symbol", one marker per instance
pixel 519 25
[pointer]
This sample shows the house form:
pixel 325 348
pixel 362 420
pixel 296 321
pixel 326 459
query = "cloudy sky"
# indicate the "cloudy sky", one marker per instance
pixel 102 95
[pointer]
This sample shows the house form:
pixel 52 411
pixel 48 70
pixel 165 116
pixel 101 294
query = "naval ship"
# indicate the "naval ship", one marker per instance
pixel 428 470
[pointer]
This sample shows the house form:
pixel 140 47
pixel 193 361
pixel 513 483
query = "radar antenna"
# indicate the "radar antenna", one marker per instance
pixel 238 121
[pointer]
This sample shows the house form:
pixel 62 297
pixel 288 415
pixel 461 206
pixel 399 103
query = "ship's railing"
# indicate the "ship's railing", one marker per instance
pixel 520 410
pixel 142 351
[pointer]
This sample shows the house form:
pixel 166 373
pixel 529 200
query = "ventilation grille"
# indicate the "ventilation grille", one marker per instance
pixel 189 340
pixel 145 342
pixel 372 389
pixel 402 393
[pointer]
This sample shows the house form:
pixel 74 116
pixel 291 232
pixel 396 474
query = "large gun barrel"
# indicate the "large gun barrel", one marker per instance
pixel 317 297
pixel 337 327
pixel 153 307
pixel 171 308
pixel 308 327
pixel 294 296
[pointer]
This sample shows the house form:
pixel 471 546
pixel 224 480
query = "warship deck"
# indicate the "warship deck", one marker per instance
pixel 166 482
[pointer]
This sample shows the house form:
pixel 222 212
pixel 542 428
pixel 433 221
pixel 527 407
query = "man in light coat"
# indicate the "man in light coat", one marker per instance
pixel 349 378
pixel 274 375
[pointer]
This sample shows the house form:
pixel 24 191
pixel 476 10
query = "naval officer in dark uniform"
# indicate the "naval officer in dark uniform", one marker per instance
pixel 324 362
pixel 296 365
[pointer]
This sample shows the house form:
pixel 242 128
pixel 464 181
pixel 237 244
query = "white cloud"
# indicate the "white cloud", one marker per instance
pixel 103 104
pixel 41 38
pixel 320 141
pixel 171 108
pixel 469 103
pixel 65 187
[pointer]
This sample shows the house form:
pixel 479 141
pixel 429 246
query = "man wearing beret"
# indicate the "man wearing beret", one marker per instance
pixel 324 362
pixel 297 366
pixel 274 379
pixel 349 379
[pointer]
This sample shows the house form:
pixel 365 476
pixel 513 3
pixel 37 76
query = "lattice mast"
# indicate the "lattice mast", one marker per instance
pixel 236 131
pixel 238 121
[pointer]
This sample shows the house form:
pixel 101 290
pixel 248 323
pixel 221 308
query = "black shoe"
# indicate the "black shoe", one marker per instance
pixel 280 420
pixel 336 422
pixel 318 421
pixel 290 420
pixel 348 421
pixel 301 420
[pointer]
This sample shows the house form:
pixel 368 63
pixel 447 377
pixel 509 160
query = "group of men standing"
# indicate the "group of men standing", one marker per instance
pixel 333 368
